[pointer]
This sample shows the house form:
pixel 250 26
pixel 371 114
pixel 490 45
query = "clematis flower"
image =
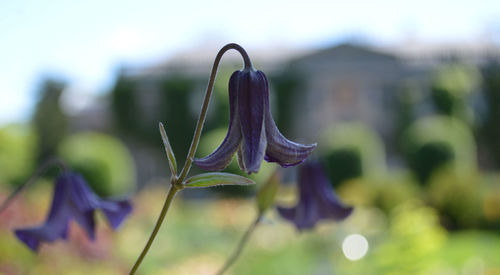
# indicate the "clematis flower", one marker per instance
pixel 252 130
pixel 73 200
pixel 317 200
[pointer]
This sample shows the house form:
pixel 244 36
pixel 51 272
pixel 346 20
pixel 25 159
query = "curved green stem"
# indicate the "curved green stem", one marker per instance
pixel 241 245
pixel 206 101
pixel 170 197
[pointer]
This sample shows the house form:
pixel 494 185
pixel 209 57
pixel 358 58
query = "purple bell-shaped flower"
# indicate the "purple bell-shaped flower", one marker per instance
pixel 73 200
pixel 252 131
pixel 317 200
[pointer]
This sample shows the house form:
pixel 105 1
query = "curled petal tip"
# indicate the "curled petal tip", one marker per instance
pixel 288 153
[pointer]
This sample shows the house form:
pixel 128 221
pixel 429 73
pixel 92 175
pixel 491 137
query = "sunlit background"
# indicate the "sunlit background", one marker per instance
pixel 402 98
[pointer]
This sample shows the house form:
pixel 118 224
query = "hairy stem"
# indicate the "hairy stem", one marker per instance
pixel 244 240
pixel 170 197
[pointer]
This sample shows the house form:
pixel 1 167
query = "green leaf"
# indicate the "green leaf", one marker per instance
pixel 214 179
pixel 168 149
pixel 267 193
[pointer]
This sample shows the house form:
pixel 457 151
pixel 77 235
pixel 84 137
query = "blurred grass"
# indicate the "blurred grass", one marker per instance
pixel 199 235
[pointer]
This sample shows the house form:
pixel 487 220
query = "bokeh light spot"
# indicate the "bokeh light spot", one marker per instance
pixel 355 247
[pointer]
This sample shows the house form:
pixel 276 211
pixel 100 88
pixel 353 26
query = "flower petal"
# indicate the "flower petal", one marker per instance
pixel 54 228
pixel 45 233
pixel 280 149
pixel 86 220
pixel 56 225
pixel 222 156
pixel 317 200
pixel 330 206
pixel 80 193
pixel 252 88
pixel 241 164
pixel 116 211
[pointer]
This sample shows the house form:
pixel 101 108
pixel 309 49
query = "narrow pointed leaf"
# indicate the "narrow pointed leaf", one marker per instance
pixel 215 179
pixel 168 149
pixel 267 193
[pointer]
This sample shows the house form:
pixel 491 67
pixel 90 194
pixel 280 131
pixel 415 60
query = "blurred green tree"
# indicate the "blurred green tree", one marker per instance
pixel 490 129
pixel 431 142
pixel 450 87
pixel 352 150
pixel 139 104
pixel 49 121
pixel 17 153
pixel 103 160
pixel 286 86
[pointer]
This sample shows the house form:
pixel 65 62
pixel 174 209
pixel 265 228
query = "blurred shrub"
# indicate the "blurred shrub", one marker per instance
pixel 490 130
pixel 17 153
pixel 414 235
pixel 138 106
pixel 175 112
pixel 407 96
pixel 491 201
pixel 343 164
pixel 49 121
pixel 351 150
pixel 104 161
pixel 451 84
pixel 457 196
pixel 395 190
pixel 125 105
pixel 286 86
pixel 436 140
pixel 428 157
pixel 385 193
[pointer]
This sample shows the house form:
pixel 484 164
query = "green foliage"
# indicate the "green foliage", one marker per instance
pixel 429 157
pixel 444 100
pixel 125 105
pixel 415 232
pixel 457 198
pixel 267 192
pixel 17 153
pixel 104 161
pixel 408 241
pixel 49 121
pixel 352 150
pixel 459 80
pixel 175 106
pixel 139 106
pixel 407 98
pixel 436 140
pixel 172 163
pixel 490 130
pixel 342 164
pixel 286 86
pixel 450 87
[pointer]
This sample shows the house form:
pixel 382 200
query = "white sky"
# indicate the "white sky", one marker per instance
pixel 85 41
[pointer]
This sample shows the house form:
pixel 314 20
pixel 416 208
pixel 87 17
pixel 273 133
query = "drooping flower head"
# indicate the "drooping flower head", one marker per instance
pixel 252 131
pixel 317 200
pixel 73 200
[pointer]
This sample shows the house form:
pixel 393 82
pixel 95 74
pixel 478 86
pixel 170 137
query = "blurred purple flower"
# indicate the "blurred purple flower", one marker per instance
pixel 252 131
pixel 317 200
pixel 73 199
